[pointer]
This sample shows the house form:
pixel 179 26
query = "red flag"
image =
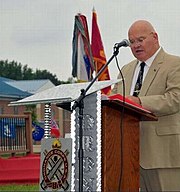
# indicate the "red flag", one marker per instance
pixel 98 53
pixel 54 129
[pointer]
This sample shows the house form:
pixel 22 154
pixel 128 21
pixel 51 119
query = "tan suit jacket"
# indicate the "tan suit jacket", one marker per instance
pixel 160 93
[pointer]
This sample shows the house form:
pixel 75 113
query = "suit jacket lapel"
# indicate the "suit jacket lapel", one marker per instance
pixel 152 72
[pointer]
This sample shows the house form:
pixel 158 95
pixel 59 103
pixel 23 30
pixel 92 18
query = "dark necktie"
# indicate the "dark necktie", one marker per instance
pixel 139 80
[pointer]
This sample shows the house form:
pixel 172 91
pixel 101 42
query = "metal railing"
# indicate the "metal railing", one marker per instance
pixel 16 134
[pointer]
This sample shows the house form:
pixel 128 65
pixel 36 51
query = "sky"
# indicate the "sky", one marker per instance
pixel 39 33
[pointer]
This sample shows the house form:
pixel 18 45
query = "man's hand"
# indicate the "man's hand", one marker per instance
pixel 134 99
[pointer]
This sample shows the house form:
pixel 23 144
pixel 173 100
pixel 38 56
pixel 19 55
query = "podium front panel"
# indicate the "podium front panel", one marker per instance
pixel 120 149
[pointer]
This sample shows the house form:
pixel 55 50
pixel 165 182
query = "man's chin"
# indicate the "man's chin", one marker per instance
pixel 140 57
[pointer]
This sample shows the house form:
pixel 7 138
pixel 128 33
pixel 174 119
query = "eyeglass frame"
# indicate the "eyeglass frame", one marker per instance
pixel 139 40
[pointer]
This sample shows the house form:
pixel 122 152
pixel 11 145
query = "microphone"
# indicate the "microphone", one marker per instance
pixel 123 43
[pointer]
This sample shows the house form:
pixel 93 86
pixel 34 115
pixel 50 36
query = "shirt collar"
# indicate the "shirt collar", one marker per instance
pixel 151 59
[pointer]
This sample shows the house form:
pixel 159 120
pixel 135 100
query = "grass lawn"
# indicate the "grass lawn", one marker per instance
pixel 14 187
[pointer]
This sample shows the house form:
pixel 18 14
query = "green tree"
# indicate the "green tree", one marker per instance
pixel 44 74
pixel 27 73
pixel 16 71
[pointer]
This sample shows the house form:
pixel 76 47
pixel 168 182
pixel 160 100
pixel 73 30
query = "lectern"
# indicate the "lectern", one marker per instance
pixel 120 145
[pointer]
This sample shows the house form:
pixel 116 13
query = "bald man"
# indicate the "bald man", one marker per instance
pixel 159 93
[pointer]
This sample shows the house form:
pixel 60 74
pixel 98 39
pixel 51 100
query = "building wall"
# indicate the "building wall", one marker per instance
pixel 14 110
pixel 66 121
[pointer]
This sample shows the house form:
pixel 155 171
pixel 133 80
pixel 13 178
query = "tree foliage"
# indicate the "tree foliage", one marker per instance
pixel 16 71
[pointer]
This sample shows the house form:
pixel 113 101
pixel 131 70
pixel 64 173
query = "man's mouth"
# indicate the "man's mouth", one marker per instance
pixel 139 51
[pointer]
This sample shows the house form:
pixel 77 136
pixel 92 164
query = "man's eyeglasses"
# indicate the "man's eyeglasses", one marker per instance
pixel 139 40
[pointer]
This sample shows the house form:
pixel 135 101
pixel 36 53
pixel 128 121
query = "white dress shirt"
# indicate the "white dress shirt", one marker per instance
pixel 146 68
